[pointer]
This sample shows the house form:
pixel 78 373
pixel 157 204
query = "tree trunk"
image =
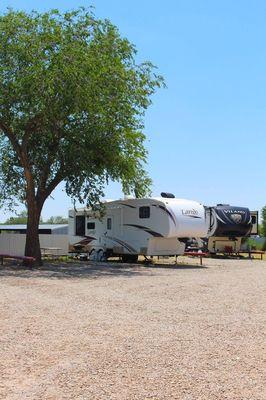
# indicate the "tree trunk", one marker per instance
pixel 32 247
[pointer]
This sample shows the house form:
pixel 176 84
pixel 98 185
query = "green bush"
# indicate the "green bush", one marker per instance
pixel 254 244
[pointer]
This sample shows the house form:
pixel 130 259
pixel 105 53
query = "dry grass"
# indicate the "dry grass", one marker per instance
pixel 108 331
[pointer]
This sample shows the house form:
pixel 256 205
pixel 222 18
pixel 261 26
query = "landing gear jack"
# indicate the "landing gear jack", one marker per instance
pixel 147 260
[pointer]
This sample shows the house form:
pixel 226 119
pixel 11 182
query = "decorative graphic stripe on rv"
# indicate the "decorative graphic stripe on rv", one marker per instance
pixel 127 205
pixel 229 220
pixel 85 241
pixel 193 216
pixel 144 228
pixel 220 219
pixel 167 212
pixel 124 244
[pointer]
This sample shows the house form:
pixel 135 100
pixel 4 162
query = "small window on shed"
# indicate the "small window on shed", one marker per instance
pixel 253 219
pixel 90 225
pixel 144 212
pixel 80 225
pixel 109 223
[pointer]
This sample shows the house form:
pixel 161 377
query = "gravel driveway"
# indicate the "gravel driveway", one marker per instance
pixel 108 331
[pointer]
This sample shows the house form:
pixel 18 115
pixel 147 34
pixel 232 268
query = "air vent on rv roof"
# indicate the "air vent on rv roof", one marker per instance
pixel 168 195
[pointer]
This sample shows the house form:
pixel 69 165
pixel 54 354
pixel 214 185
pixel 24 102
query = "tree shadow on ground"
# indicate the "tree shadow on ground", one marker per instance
pixel 87 270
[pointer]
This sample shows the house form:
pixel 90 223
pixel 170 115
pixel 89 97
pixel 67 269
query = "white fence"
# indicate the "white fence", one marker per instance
pixel 14 243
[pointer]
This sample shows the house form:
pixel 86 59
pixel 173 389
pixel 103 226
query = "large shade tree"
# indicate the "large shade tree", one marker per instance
pixel 72 100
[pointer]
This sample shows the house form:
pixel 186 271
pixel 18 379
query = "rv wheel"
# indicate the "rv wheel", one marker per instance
pixel 93 255
pixel 130 258
pixel 101 256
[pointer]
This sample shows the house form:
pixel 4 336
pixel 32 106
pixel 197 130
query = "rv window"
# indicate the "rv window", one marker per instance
pixel 80 225
pixel 109 223
pixel 144 212
pixel 90 225
pixel 253 219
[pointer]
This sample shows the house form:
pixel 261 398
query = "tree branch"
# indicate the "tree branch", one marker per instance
pixel 30 128
pixel 11 136
pixel 43 193
pixel 22 155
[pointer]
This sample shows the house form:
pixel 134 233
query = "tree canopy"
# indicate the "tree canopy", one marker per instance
pixel 263 222
pixel 72 101
pixel 58 219
pixel 19 219
pixel 22 217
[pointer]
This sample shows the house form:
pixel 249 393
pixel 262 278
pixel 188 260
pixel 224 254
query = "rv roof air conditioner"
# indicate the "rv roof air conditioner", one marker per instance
pixel 168 195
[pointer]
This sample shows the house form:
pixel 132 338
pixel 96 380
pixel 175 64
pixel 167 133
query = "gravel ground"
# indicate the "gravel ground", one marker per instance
pixel 112 331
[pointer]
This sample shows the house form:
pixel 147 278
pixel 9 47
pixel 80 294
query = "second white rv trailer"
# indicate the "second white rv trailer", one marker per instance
pixel 132 227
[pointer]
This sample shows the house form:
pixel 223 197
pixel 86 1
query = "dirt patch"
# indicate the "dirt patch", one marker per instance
pixel 113 331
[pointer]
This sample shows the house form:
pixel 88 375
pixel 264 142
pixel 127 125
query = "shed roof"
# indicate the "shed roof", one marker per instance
pixel 20 227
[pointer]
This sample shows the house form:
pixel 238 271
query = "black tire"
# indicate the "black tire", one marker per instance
pixel 130 258
pixel 101 255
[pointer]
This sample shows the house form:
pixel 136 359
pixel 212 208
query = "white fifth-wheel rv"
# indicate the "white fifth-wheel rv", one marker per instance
pixel 152 226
